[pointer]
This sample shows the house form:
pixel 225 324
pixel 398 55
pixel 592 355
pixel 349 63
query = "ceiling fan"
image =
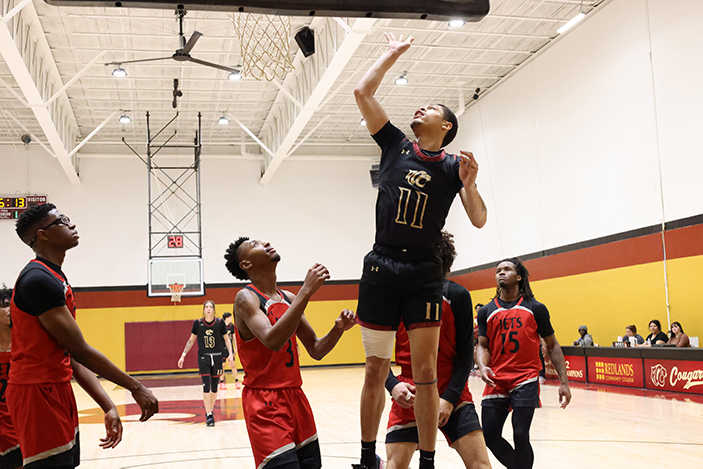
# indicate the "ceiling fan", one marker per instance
pixel 182 54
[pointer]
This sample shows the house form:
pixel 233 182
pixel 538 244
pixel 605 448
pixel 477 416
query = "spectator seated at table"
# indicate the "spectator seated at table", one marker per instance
pixel 678 338
pixel 631 331
pixel 585 339
pixel 656 337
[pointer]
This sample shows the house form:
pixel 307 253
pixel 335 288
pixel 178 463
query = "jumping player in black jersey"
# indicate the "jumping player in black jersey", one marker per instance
pixel 48 349
pixel 402 276
pixel 211 334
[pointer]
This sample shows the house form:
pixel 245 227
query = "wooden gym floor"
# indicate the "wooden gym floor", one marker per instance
pixel 602 428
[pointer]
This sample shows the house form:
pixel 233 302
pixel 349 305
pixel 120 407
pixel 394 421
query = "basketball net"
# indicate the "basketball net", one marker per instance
pixel 264 44
pixel 176 290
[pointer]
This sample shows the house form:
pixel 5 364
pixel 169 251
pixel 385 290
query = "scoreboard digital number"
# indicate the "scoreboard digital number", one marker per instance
pixel 175 241
pixel 12 207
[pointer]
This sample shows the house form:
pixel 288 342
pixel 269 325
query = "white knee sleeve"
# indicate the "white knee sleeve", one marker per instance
pixel 378 343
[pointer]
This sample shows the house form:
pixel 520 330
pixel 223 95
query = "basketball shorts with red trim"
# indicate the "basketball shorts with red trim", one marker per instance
pixel 525 394
pixel 10 454
pixel 46 423
pixel 281 427
pixel 391 290
pixel 402 427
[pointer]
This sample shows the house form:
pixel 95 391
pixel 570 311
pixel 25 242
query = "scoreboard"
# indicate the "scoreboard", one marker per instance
pixel 12 207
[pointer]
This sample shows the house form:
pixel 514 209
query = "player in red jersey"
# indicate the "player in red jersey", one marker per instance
pixel 278 416
pixel 402 278
pixel 10 454
pixel 48 349
pixel 509 331
pixel 458 419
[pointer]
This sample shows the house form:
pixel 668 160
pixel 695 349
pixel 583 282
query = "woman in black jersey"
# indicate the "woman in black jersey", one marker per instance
pixel 211 334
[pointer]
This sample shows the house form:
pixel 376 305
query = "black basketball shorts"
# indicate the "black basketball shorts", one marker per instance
pixel 392 290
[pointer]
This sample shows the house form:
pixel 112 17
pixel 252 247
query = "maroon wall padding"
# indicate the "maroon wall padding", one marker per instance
pixel 157 345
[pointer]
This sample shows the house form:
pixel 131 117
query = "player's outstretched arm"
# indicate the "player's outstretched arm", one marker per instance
pixel 470 197
pixel 275 336
pixel 559 362
pixel 371 109
pixel 90 384
pixel 59 323
pixel 318 347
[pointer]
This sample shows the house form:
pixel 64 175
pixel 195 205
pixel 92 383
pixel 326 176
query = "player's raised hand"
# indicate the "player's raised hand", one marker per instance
pixel 486 374
pixel 316 276
pixel 346 320
pixel 400 44
pixel 564 395
pixel 146 401
pixel 404 394
pixel 113 427
pixel 468 168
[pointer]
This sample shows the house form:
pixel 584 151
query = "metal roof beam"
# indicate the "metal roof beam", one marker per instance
pixel 27 55
pixel 309 83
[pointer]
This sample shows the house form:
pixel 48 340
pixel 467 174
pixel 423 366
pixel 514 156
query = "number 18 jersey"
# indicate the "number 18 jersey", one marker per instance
pixel 513 330
pixel 265 368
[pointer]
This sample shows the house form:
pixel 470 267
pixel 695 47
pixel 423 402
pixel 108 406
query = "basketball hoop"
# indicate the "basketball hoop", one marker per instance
pixel 264 44
pixel 176 290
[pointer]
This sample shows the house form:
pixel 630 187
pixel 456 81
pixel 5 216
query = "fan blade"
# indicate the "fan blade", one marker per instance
pixel 210 64
pixel 191 42
pixel 122 62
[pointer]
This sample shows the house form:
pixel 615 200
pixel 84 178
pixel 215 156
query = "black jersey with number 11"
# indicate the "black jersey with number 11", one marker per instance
pixel 415 192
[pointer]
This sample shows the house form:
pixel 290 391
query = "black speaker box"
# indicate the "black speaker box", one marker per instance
pixel 306 41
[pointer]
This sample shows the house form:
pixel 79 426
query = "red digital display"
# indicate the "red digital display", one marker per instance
pixel 175 241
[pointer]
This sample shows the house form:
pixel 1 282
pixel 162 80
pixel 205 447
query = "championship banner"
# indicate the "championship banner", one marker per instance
pixel 616 370
pixel 674 375
pixel 575 368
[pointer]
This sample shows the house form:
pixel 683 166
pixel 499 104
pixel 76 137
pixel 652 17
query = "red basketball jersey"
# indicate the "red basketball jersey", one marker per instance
pixel 36 356
pixel 513 333
pixel 263 367
pixel 447 353
pixel 8 439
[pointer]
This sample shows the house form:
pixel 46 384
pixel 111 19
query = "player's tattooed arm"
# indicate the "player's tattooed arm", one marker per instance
pixel 559 362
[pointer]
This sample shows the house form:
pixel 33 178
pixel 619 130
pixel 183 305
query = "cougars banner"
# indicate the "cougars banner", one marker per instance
pixel 616 370
pixel 575 368
pixel 670 375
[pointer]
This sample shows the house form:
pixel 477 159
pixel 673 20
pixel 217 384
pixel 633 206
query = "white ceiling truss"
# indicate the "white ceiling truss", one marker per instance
pixel 55 87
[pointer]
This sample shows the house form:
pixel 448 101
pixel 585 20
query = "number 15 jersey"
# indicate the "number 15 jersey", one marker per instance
pixel 265 368
pixel 513 330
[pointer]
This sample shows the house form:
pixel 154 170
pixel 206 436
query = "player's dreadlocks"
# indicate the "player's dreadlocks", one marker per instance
pixel 524 283
pixel 232 257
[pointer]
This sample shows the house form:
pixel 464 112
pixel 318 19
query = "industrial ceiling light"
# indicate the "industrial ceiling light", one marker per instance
pixel 235 75
pixel 124 118
pixel 402 80
pixel 456 23
pixel 362 121
pixel 223 120
pixel 572 22
pixel 119 72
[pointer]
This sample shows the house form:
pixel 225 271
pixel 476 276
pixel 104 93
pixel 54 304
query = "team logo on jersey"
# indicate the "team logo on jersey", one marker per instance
pixel 417 178
pixel 208 332
pixel 404 151
pixel 658 375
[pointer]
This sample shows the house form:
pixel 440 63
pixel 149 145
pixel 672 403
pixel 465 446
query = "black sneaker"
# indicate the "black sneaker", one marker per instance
pixel 210 420
pixel 380 464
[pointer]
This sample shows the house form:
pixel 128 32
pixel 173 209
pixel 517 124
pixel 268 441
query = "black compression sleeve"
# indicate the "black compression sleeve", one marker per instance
pixel 462 308
pixel 391 381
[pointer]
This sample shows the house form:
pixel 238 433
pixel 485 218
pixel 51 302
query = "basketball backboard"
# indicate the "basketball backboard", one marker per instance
pixel 186 271
pixel 437 10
